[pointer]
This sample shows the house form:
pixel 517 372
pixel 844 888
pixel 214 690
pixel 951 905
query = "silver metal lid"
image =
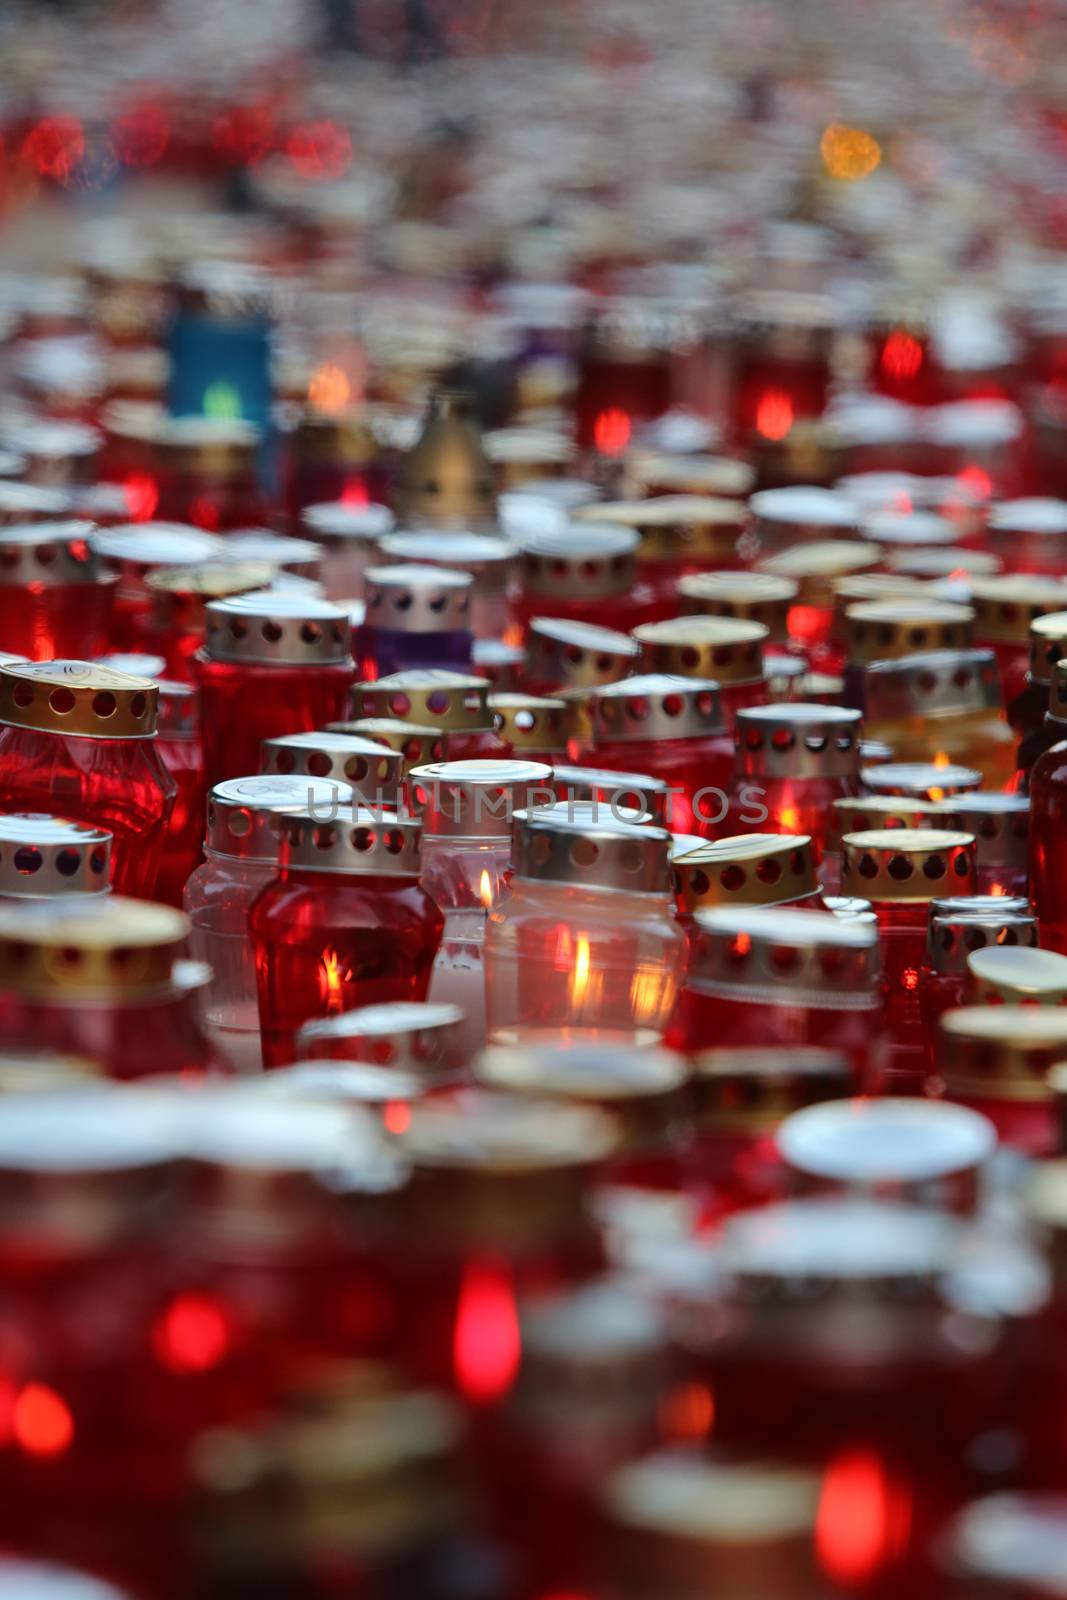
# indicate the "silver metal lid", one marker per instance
pixel 276 629
pixel 850 908
pixel 1000 823
pixel 805 1249
pixel 1048 644
pixel 374 771
pixel 797 740
pixel 421 1037
pixel 910 530
pixel 584 844
pixel 771 953
pixel 301 556
pixel 920 780
pixel 620 792
pixel 242 813
pixel 486 557
pixel 42 855
pixel 337 522
pixel 934 683
pixel 30 502
pixel 575 655
pixel 418 599
pixel 582 560
pixel 1009 1544
pixel 47 554
pixel 498 661
pixel 959 924
pixel 871 1144
pixel 136 548
pixel 456 702
pixel 477 799
pixel 356 840
pixel 804 507
pixel 656 705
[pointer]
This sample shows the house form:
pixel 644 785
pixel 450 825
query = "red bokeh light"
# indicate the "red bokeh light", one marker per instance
pixel 244 134
pixel 54 147
pixel 611 432
pixel 320 149
pixel 355 493
pixel 41 1421
pixel 141 135
pixel 486 1346
pixel 774 415
pixel 862 1519
pixel 142 496
pixel 902 356
pixel 192 1334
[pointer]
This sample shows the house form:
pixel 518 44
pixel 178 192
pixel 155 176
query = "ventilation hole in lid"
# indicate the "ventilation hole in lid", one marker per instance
pixel 138 706
pixel 437 701
pixel 310 632
pixel 632 856
pixel 45 554
pixel 393 839
pixel 404 602
pixel 687 656
pixel 782 739
pixel 927 682
pixel 753 738
pixel 960 865
pixel 61 701
pixel 284 761
pixel 673 705
pixel 584 852
pixel 900 868
pixel 400 705
pixel 238 629
pixel 934 867
pixel 699 881
pixel 22 694
pixel 769 871
pixel 325 836
pixel 784 958
pixel 638 708
pixel 867 866
pixel 816 743
pixel 98 860
pixel 271 631
pixel 357 768
pixel 104 704
pixel 733 877
pixel 28 860
pixel 67 863
pixel 240 823
pixel 318 764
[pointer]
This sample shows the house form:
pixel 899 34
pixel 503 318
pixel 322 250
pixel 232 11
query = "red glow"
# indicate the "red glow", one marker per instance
pixel 902 356
pixel 244 134
pixel 204 513
pixel 141 135
pixel 192 1334
pixel 142 496
pixel 320 149
pixel 910 978
pixel 397 1116
pixel 355 493
pixel 7 1409
pixel 611 432
pixel 808 623
pixel 774 414
pixel 862 1519
pixel 54 147
pixel 976 481
pixel 687 1414
pixel 486 1345
pixel 41 1421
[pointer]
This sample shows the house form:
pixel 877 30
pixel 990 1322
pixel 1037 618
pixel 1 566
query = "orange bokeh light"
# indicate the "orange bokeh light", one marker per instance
pixel 774 415
pixel 849 154
pixel 41 1421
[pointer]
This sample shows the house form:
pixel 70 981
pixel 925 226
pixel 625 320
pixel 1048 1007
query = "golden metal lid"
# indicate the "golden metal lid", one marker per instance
pixel 342 438
pixel 1001 1052
pixel 592 846
pixel 1011 975
pixel 47 555
pixel 754 1089
pixel 781 954
pixel 355 840
pixel 453 702
pixel 815 566
pixel 656 705
pixel 180 594
pixel 640 1086
pixel 301 557
pixel 525 452
pixel 79 699
pixel 803 511
pixel 727 649
pixel 42 856
pixel 921 780
pixel 583 561
pixel 722 477
pixel 880 630
pixel 43 1071
pixel 1005 606
pixel 578 655
pixel 530 723
pixel 751 869
pixel 477 799
pixel 97 946
pixel 798 741
pixel 933 683
pixel 374 771
pixel 242 813
pixel 1048 644
pixel 675 527
pixel 336 522
pixel 416 598
pixel 423 1038
pixel 753 596
pixel 275 628
pixel 446 477
pixel 415 743
pixel 621 793
pixel 960 924
pixel 907 864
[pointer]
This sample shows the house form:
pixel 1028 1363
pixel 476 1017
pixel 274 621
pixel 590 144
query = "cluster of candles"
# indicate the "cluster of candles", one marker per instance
pixel 533 908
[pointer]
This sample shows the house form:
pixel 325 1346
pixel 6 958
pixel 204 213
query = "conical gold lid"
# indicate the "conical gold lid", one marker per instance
pixel 446 478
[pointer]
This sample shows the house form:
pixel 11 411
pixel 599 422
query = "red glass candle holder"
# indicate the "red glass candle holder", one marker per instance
pixel 900 870
pixel 54 600
pixel 766 977
pixel 624 371
pixel 137 549
pixel 272 663
pixel 452 702
pixel 901 625
pixel 726 649
pixel 345 924
pixel 584 572
pixel 943 706
pixel 674 729
pixel 335 458
pixel 179 598
pixel 817 567
pixel 125 1000
pixel 1028 711
pixel 997 1059
pixel 207 472
pixel 1005 606
pixel 82 738
pixel 958 925
pixel 982 443
pixel 791 763
pixel 416 742
pixel 350 533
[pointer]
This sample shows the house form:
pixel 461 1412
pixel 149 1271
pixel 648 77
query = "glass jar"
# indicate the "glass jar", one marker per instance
pixel 679 533
pixel 46 857
pixel 726 649
pixel 350 534
pixel 82 738
pixel 791 763
pixel 744 869
pixel 784 977
pixel 859 813
pixel 533 725
pixel 1044 1380
pixel 420 1040
pixel 454 703
pixel 672 728
pixel 930 781
pixel 417 616
pixel 563 656
pixel 629 796
pixel 1001 827
pixel 885 630
pixel 781 343
pixel 815 567
pixel 919 1152
pixel 55 600
pixel 488 559
pixel 748 596
pixel 467 809
pixel 371 770
pixel 958 925
pixel 997 1059
pixel 626 351
pixel 101 977
pixel 271 663
pixel 584 572
pixel 1029 712
pixel 241 859
pixel 133 551
pixel 179 597
pixel 344 924
pixel 332 455
pixel 943 706
pixel 584 942
pixel 207 471
pixel 1005 607
pixel 900 870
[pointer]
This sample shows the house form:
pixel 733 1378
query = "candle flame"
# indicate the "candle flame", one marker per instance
pixel 774 415
pixel 332 982
pixel 485 890
pixel 580 979
pixel 329 390
pixel 942 760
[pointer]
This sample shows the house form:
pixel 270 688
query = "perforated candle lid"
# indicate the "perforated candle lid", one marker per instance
pixel 812 566
pixel 882 629
pixel 1001 1051
pixel 1006 605
pixel 803 506
pixel 355 840
pixel 577 655
pixel 584 843
pixel 910 530
pixel 843 1241
pixel 477 799
pixel 420 1037
pixel 47 554
pixel 338 522
pixel 414 742
pixel 301 556
pixel 960 924
pixel 416 598
pixel 935 683
pixel 753 869
pixel 372 769
pixel 79 698
pixel 1000 823
pixel 1014 975
pixel 42 856
pixel 754 596
pixel 96 945
pixel 870 1143
pixel 135 548
pixel 797 740
pixel 485 556
pixel 726 649
pixel 621 793
pixel 656 705
pixel 242 813
pixel 773 953
pixel 271 628
pixel 676 527
pixel 907 864
pixel 752 1089
pixel 692 474
pixel 498 1135
pixel 596 1075
pixel 455 702
pixel 586 560
pixel 920 780
pixel 1048 644
pixel 530 723
pixel 181 594
pixel 30 502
